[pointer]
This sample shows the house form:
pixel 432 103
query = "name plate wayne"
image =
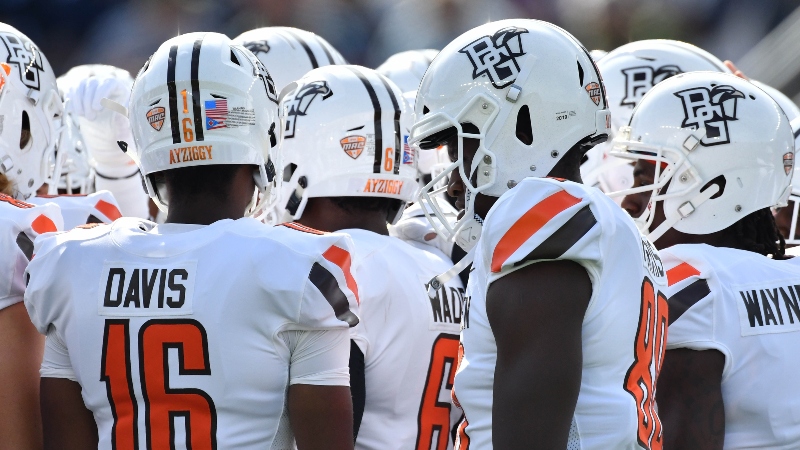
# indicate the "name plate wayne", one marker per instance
pixel 773 309
pixel 138 289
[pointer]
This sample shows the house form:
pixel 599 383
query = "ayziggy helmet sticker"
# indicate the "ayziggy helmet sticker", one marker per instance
pixel 298 106
pixel 710 108
pixel 496 56
pixel 26 57
pixel 639 80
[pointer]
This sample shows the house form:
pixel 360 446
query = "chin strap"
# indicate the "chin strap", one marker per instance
pixel 684 211
pixel 439 280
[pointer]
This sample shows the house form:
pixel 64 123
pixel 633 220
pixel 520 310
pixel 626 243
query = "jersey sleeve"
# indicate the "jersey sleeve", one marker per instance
pixel 539 220
pixel 55 361
pixel 330 293
pixel 692 304
pixel 20 224
pixel 318 357
pixel 45 299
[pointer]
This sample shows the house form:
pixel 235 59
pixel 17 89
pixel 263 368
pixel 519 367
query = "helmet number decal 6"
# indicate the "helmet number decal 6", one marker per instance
pixel 388 161
pixel 188 133
pixel 162 403
pixel 648 355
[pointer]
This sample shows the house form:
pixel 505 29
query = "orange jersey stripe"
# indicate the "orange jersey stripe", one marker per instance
pixel 527 225
pixel 108 210
pixel 341 258
pixel 303 228
pixel 43 224
pixel 681 272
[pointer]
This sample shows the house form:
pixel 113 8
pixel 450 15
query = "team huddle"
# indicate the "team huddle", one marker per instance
pixel 510 243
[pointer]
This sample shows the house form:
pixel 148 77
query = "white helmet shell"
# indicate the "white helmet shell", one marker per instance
pixel 502 77
pixel 629 72
pixel 343 137
pixel 406 69
pixel 722 148
pixel 290 52
pixel 32 115
pixel 201 100
pixel 787 104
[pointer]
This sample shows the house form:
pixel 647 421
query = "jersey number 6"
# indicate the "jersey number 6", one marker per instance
pixel 648 354
pixel 162 403
pixel 434 415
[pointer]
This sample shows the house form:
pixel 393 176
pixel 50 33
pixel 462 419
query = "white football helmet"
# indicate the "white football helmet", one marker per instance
pixel 788 106
pixel 722 149
pixel 343 137
pixel 406 69
pixel 629 72
pixel 294 50
pixel 30 116
pixel 508 78
pixel 77 174
pixel 201 100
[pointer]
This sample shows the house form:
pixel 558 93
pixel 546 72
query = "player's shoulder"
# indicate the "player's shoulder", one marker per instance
pixel 100 206
pixel 26 216
pixel 542 219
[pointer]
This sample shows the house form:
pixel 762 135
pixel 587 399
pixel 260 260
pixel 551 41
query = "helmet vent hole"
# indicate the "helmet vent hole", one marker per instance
pixel 580 74
pixel 273 139
pixel 425 110
pixel 719 181
pixel 234 59
pixel 25 135
pixel 288 171
pixel 524 127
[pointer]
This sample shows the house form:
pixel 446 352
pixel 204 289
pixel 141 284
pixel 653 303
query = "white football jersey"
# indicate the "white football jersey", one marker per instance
pixel 745 306
pixel 176 332
pixel 99 207
pixel 546 219
pixel 410 344
pixel 20 224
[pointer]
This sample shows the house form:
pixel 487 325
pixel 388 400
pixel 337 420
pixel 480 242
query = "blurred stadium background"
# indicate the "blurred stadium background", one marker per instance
pixel 761 36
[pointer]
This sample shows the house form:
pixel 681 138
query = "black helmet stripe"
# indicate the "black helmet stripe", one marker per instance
pixel 397 134
pixel 376 106
pixel 173 95
pixel 326 50
pixel 197 111
pixel 302 42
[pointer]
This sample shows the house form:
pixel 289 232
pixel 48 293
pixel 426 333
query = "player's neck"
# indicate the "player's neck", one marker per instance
pixel 202 213
pixel 568 168
pixel 324 215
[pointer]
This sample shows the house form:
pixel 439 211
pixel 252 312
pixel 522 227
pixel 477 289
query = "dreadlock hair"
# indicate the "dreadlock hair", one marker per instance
pixel 355 205
pixel 757 232
pixel 5 185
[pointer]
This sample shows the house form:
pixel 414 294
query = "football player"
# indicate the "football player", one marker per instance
pixel 563 320
pixel 713 154
pixel 83 89
pixel 295 51
pixel 32 112
pixel 344 170
pixel 629 72
pixel 211 330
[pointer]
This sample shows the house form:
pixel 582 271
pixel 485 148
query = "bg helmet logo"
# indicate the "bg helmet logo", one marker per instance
pixel 496 56
pixel 710 108
pixel 639 80
pixel 298 106
pixel 25 56
pixel 257 47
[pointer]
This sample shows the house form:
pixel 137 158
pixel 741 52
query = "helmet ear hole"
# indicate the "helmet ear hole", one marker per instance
pixel 580 74
pixel 524 126
pixel 719 181
pixel 25 134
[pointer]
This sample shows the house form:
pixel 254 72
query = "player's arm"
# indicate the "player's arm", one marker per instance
pixel 320 403
pixel 689 398
pixel 536 314
pixel 67 423
pixel 20 355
